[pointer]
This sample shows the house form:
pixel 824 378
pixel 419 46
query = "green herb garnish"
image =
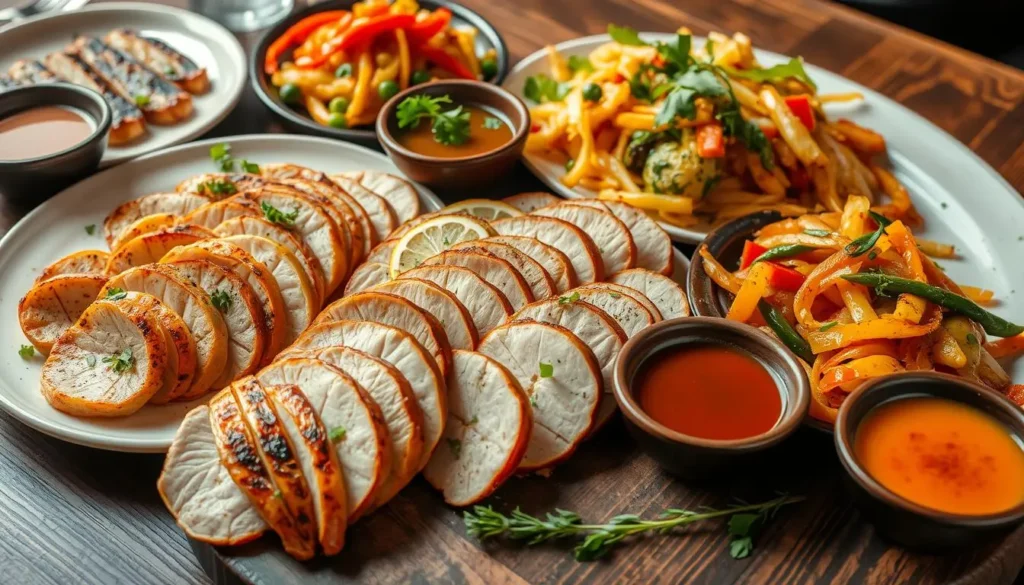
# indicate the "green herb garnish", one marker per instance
pixel 90 229
pixel 492 123
pixel 336 434
pixel 115 294
pixel 865 243
pixel 818 233
pixel 221 155
pixel 90 360
pixel 546 370
pixel 27 352
pixel 450 128
pixel 221 300
pixel 473 420
pixel 142 100
pixel 827 326
pixel 793 69
pixel 569 299
pixel 250 167
pixel 625 35
pixel 275 215
pixel 121 362
pixel 578 63
pixel 218 187
pixel 541 88
pixel 456 447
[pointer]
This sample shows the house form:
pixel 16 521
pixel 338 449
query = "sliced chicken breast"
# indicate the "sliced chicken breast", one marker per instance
pixel 653 244
pixel 561 235
pixel 50 307
pixel 611 236
pixel 487 433
pixel 382 217
pixel 178 204
pixel 399 349
pixel 215 213
pixel 540 282
pixel 555 263
pixel 562 379
pixel 629 313
pixel 530 202
pixel 665 293
pixel 627 292
pixel 110 363
pixel 151 247
pixel 487 306
pixel 497 272
pixel 442 304
pixel 81 262
pixel 393 310
pixel 354 423
pixel 205 323
pixel 382 251
pixel 399 194
pixel 366 276
pixel 198 490
pixel 145 225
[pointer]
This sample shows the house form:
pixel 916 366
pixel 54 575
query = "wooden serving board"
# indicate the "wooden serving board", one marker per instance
pixel 418 539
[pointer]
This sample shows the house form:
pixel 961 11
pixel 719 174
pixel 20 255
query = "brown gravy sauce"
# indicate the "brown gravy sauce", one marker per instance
pixel 41 131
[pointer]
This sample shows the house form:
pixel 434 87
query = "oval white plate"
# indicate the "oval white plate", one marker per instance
pixel 57 227
pixel 207 43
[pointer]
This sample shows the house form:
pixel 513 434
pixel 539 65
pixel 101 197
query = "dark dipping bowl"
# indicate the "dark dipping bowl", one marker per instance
pixel 693 457
pixel 468 171
pixel 895 517
pixel 30 181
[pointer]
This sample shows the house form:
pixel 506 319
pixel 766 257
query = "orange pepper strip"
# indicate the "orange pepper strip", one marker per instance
pixel 1006 346
pixel 885 327
pixel 753 289
pixel 908 307
pixel 823 276
pixel 859 369
pixel 296 34
pixel 358 34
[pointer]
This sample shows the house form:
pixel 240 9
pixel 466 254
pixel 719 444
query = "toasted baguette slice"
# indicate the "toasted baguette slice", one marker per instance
pixel 50 307
pixel 486 305
pixel 610 235
pixel 319 461
pixel 110 363
pixel 442 304
pixel 353 421
pixel 487 432
pixel 561 235
pixel 198 490
pixel 562 378
pixel 277 452
pixel 151 247
pixel 81 262
pixel 530 202
pixel 628 292
pixel 366 276
pixel 540 282
pixel 554 262
pixel 124 215
pixel 653 245
pixel 382 217
pixel 497 272
pixel 399 194
pixel 146 224
pixel 393 310
pixel 400 350
pixel 631 315
pixel 665 293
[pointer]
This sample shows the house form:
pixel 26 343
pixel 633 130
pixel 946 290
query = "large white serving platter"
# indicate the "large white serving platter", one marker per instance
pixel 207 43
pixel 57 228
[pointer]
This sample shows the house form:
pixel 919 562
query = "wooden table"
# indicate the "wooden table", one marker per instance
pixel 69 514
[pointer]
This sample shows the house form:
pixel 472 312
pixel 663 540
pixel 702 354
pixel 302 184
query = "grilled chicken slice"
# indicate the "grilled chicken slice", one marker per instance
pixel 561 235
pixel 382 217
pixel 665 293
pixel 393 310
pixel 402 415
pixel 612 238
pixel 487 432
pixel 50 307
pixel 145 225
pixel 319 462
pixel 434 300
pixel 110 363
pixel 297 294
pixel 198 490
pixel 400 195
pixel 353 421
pixel 626 292
pixel 151 247
pixel 540 282
pixel 216 212
pixel 653 245
pixel 562 378
pixel 127 122
pixel 276 451
pixel 239 453
pixel 367 275
pixel 497 272
pixel 161 101
pixel 631 315
pixel 382 251
pixel 204 322
pixel 160 57
pixel 400 350
pixel 487 306
pixel 129 212
pixel 81 262
pixel 554 262
pixel 530 202
pixel 240 308
pixel 31 72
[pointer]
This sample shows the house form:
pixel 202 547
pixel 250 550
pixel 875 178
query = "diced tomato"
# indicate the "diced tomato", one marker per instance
pixel 785 278
pixel 710 141
pixel 751 250
pixel 619 78
pixel 658 61
pixel 534 127
pixel 800 105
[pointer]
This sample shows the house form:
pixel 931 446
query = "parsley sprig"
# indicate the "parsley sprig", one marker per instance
pixel 121 362
pixel 221 155
pixel 275 215
pixel 450 127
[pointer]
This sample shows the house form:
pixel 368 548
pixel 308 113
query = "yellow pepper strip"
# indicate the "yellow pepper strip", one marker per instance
pixel 317 110
pixel 946 351
pixel 821 407
pixel 909 307
pixel 652 201
pixel 404 62
pixel 936 249
pixel 855 212
pixel 1006 346
pixel 718 273
pixel 858 370
pixel 982 296
pixel 580 116
pixel 754 287
pixel 559 69
pixel 855 298
pixel 361 94
pixel 823 276
pixel 634 121
pixel 884 327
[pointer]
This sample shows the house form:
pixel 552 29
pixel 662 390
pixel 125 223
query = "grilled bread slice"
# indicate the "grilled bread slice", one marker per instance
pixel 50 307
pixel 127 122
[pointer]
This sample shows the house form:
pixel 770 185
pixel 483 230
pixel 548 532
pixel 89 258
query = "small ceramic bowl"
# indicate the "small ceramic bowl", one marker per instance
pixel 468 171
pixel 31 181
pixel 895 517
pixel 694 457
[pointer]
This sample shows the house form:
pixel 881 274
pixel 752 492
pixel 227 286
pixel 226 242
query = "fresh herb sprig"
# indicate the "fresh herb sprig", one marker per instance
pixel 121 362
pixel 275 215
pixel 745 521
pixel 865 243
pixel 450 127
pixel 221 155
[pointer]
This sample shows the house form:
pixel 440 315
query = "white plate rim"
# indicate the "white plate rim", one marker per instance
pixel 224 38
pixel 690 236
pixel 153 445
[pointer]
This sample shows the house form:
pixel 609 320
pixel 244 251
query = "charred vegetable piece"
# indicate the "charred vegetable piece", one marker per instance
pixel 676 168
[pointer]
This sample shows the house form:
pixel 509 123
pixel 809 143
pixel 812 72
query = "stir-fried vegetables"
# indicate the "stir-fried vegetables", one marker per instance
pixel 854 294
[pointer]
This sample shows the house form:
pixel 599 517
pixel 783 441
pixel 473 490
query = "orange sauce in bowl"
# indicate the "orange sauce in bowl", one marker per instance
pixel 943 455
pixel 487 132
pixel 709 391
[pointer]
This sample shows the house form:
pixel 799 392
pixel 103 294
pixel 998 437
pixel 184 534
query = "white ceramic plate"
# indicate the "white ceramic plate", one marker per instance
pixel 57 227
pixel 207 43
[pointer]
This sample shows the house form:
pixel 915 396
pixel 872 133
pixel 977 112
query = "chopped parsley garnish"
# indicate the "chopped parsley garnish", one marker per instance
pixel 614 295
pixel 221 299
pixel 624 35
pixel 533 402
pixel 569 299
pixel 473 420
pixel 169 70
pixel 827 326
pixel 277 494
pixel 450 127
pixel 121 362
pixel 546 370
pixel 275 215
pixel 142 100
pixel 336 434
pixel 249 167
pixel 793 69
pixel 456 447
pixel 541 88
pixel 90 229
pixel 116 294
pixel 90 360
pixel 578 63
pixel 492 123
pixel 218 187
pixel 27 352
pixel 221 155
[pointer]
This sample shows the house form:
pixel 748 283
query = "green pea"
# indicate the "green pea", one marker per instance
pixel 420 76
pixel 592 92
pixel 290 94
pixel 387 89
pixel 569 164
pixel 343 70
pixel 489 67
pixel 337 120
pixel 338 105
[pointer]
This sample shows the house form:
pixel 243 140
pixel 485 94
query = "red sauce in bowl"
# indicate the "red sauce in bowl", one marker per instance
pixel 709 391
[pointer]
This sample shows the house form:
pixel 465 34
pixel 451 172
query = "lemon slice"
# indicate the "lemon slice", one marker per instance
pixel 484 209
pixel 433 237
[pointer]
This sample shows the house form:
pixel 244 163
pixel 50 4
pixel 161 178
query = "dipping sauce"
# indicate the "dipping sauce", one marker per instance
pixel 942 454
pixel 42 131
pixel 486 132
pixel 709 391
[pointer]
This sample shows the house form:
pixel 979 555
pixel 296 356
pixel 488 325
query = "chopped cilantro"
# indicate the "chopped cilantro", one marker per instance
pixel 336 434
pixel 221 299
pixel 121 362
pixel 115 294
pixel 275 215
pixel 492 123
pixel 546 370
pixel 90 360
pixel 456 447
pixel 570 298
pixel 27 352
pixel 90 229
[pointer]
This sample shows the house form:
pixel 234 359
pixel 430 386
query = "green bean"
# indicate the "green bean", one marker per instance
pixel 784 251
pixel 863 244
pixel 884 284
pixel 789 336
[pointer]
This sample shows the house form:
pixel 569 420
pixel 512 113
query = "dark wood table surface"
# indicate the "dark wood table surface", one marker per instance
pixel 70 514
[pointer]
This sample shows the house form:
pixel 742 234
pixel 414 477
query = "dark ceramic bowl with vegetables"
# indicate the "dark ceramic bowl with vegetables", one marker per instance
pixel 454 134
pixel 287 95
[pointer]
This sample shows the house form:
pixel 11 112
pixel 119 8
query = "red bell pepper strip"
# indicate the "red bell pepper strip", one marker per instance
pixel 445 61
pixel 785 278
pixel 356 35
pixel 767 127
pixel 751 251
pixel 297 34
pixel 800 105
pixel 425 29
pixel 710 141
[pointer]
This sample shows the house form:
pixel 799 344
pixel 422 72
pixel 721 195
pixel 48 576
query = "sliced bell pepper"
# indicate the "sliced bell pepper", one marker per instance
pixel 445 61
pixel 800 105
pixel 425 29
pixel 710 141
pixel 785 278
pixel 751 250
pixel 356 35
pixel 296 34
pixel 768 128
